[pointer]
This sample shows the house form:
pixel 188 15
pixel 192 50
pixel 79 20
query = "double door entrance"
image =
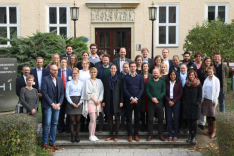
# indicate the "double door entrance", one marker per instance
pixel 111 40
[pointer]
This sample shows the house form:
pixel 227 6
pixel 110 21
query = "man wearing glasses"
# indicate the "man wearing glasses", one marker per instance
pixel 94 58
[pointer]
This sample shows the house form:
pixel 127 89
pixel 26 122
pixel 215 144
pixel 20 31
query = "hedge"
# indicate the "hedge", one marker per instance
pixel 17 133
pixel 225 133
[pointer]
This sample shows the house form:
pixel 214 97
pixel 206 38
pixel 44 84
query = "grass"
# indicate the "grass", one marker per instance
pixel 39 113
pixel 40 151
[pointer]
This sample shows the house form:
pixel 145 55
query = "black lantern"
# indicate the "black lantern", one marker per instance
pixel 74 16
pixel 152 17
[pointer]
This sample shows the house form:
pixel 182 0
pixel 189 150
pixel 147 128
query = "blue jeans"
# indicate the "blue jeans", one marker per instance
pixel 222 100
pixel 50 121
pixel 175 109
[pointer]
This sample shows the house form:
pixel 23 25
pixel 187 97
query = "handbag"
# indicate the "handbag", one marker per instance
pixel 19 107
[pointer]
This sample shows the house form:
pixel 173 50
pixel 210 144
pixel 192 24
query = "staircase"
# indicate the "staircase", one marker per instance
pixel 63 140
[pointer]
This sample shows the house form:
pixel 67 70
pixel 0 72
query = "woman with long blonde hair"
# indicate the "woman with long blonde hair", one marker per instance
pixel 55 61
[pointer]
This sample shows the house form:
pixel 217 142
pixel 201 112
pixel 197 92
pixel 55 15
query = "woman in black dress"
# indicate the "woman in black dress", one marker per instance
pixel 113 100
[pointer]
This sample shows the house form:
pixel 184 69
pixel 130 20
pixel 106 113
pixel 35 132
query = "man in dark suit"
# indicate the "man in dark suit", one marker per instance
pixel 52 98
pixel 66 75
pixel 103 71
pixel 165 54
pixel 21 81
pixel 145 53
pixel 85 56
pixel 69 51
pixel 120 61
pixel 38 74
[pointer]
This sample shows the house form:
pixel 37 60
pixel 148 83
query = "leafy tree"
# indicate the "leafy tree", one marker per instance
pixel 27 49
pixel 211 37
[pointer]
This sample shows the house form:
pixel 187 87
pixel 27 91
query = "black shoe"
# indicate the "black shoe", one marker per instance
pixel 68 131
pixel 72 139
pixel 202 127
pixel 193 141
pixel 61 131
pixel 77 139
pixel 143 128
pixel 189 139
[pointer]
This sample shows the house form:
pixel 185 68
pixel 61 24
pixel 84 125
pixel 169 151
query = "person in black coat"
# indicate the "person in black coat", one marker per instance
pixel 176 64
pixel 144 111
pixel 191 103
pixel 21 81
pixel 69 51
pixel 113 100
pixel 188 62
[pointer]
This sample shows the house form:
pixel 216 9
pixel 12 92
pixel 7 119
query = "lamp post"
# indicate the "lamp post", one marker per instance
pixel 152 17
pixel 74 16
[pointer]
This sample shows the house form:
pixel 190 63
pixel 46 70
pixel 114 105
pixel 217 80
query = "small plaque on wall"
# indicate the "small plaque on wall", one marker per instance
pixel 138 47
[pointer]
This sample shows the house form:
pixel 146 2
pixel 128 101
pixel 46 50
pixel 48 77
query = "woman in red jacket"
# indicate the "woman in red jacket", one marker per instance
pixel 174 92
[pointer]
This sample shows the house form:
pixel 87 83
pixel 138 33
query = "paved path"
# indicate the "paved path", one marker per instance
pixel 127 152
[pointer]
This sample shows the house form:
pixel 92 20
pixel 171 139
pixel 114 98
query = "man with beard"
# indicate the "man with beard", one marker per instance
pixel 21 82
pixel 187 61
pixel 145 53
pixel 69 51
pixel 52 98
pixel 94 58
pixel 133 87
pixel 155 103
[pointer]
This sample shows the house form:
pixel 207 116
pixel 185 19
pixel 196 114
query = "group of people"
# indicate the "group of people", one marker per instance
pixel 96 88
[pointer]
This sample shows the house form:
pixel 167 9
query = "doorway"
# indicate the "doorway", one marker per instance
pixel 112 39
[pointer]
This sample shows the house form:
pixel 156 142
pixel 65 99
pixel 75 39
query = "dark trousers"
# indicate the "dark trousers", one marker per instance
pixel 159 109
pixel 123 114
pixel 182 121
pixel 136 108
pixel 100 119
pixel 62 125
pixel 175 109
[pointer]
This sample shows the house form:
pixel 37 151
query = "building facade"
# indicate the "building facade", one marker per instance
pixel 112 24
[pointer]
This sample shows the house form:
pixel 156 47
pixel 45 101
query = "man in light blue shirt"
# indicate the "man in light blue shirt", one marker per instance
pixel 66 75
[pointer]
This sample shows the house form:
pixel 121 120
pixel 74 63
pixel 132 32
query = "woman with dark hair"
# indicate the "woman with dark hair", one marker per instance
pixel 174 92
pixel 210 94
pixel 157 62
pixel 176 64
pixel 139 60
pixel 198 59
pixel 191 103
pixel 144 112
pixel 113 100
pixel 202 75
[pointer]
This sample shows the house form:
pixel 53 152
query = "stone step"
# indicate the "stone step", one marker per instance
pixel 123 144
pixel 121 135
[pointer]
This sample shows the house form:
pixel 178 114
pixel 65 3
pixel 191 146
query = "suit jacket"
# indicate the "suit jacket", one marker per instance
pixel 69 73
pixel 170 64
pixel 98 64
pixel 177 92
pixel 151 63
pixel 48 91
pixel 45 72
pixel 19 84
pixel 116 62
pixel 100 74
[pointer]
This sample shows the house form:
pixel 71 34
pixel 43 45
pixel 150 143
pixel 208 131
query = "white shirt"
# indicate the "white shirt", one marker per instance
pixel 208 90
pixel 121 62
pixel 84 75
pixel 25 80
pixel 39 77
pixel 147 60
pixel 167 62
pixel 171 89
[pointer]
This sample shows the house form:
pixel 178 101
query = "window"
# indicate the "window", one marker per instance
pixel 58 19
pixel 167 25
pixel 217 10
pixel 9 22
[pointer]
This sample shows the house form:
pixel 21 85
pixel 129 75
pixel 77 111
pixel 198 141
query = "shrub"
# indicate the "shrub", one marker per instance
pixel 229 85
pixel 17 133
pixel 225 133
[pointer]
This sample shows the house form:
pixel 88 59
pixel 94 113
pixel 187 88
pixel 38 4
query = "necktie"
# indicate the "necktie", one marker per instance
pixel 63 78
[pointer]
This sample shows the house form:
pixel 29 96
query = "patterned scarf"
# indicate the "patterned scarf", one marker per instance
pixel 112 81
pixel 193 84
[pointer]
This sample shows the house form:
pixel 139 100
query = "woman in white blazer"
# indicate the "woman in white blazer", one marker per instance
pixel 210 94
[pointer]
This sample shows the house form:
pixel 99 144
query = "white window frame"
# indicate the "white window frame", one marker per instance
pixel 216 10
pixel 58 25
pixel 167 24
pixel 8 25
